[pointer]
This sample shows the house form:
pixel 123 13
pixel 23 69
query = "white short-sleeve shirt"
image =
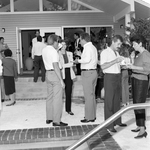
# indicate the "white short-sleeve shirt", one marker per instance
pixel 50 56
pixel 108 55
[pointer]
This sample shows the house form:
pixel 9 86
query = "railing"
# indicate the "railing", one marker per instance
pixel 107 122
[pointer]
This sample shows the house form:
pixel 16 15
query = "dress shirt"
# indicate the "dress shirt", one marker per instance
pixel 37 49
pixel 50 56
pixel 89 57
pixel 34 40
pixel 108 55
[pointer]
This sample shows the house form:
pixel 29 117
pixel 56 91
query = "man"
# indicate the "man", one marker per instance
pixel 110 64
pixel 55 84
pixel 37 57
pixel 34 40
pixel 77 51
pixel 88 62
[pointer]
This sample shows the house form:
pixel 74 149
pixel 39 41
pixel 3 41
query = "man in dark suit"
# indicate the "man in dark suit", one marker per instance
pixel 77 52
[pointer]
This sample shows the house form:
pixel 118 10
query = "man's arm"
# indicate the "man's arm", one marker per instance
pixel 108 64
pixel 58 73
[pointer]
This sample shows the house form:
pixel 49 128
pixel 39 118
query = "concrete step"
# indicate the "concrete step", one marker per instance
pixel 27 89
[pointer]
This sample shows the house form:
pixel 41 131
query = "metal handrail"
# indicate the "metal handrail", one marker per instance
pixel 107 122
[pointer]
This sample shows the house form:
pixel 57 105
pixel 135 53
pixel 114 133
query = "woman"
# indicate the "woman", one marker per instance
pixel 9 73
pixel 124 51
pixel 66 60
pixel 140 70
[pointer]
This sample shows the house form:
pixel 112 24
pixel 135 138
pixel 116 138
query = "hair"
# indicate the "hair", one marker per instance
pixel 125 50
pixel 39 38
pixel 7 53
pixel 139 38
pixel 67 43
pixel 85 36
pixel 37 31
pixel 114 39
pixel 53 38
pixel 1 38
pixel 77 34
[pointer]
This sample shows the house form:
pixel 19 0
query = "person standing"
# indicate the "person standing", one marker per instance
pixel 34 40
pixel 124 51
pixel 9 75
pixel 77 51
pixel 110 64
pixel 140 70
pixel 88 61
pixel 3 47
pixel 55 83
pixel 37 57
pixel 66 60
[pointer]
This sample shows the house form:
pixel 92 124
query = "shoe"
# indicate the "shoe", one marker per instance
pixel 49 121
pixel 85 120
pixel 70 113
pixel 112 130
pixel 137 130
pixel 2 100
pixel 122 125
pixel 141 136
pixel 13 103
pixel 60 124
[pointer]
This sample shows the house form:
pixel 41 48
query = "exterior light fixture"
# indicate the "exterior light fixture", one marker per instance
pixel 3 30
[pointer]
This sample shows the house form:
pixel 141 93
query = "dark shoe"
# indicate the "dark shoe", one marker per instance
pixel 60 124
pixel 137 130
pixel 11 104
pixel 112 130
pixel 70 113
pixel 49 121
pixel 2 100
pixel 85 120
pixel 122 125
pixel 141 136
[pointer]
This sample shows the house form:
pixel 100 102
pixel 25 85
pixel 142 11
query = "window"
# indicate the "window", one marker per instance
pixel 4 5
pixel 55 5
pixel 26 5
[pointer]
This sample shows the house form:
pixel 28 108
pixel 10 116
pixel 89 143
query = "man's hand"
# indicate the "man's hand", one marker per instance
pixel 62 84
pixel 76 61
pixel 119 59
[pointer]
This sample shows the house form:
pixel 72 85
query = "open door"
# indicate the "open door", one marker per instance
pixel 19 51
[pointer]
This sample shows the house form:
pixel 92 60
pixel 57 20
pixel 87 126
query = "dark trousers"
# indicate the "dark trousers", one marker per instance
pixel 139 91
pixel 78 69
pixel 68 89
pixel 38 64
pixel 112 86
pixel 99 86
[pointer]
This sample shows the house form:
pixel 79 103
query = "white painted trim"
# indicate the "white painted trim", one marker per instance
pixel 86 5
pixel 41 5
pixel 11 5
pixel 69 5
pixel 122 14
pixel 50 12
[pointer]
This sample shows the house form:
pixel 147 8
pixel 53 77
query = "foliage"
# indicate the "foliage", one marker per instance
pixel 140 26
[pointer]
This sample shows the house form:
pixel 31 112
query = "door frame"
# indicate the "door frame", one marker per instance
pixel 19 42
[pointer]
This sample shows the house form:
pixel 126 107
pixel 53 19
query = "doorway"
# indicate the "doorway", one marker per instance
pixel 24 43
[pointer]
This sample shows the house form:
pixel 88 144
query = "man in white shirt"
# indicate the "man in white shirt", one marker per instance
pixel 55 84
pixel 37 57
pixel 110 64
pixel 34 40
pixel 88 61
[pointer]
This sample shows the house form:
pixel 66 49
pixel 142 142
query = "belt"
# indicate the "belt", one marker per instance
pixel 87 69
pixel 50 70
